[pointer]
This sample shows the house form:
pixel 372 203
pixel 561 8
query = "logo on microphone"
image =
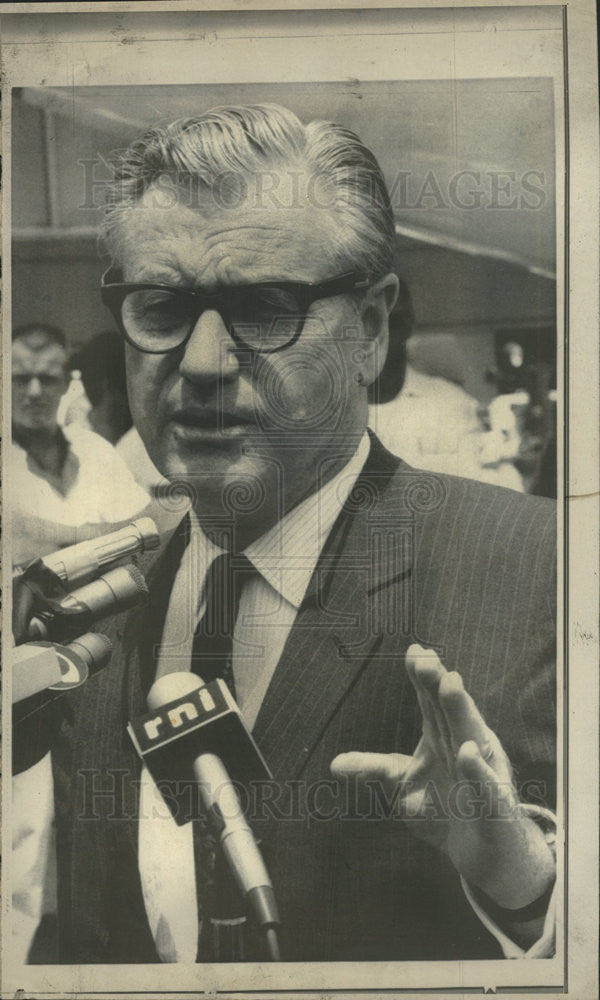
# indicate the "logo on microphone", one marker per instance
pixel 205 720
pixel 177 717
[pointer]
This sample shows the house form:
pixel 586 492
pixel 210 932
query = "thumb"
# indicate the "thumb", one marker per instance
pixel 390 767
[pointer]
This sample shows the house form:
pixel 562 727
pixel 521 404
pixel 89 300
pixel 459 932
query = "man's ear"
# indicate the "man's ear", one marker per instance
pixel 375 310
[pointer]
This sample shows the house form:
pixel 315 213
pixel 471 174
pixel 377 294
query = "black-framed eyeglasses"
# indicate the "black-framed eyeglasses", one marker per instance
pixel 263 318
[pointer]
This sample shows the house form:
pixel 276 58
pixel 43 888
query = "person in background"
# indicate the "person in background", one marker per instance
pixel 97 399
pixel 504 440
pixel 74 406
pixel 67 484
pixel 101 364
pixel 430 421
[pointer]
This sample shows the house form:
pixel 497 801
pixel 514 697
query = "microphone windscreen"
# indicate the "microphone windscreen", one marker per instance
pixel 127 580
pixel 94 648
pixel 171 686
pixel 116 590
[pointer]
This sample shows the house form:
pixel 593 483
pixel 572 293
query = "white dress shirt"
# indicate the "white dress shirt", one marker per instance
pixel 95 490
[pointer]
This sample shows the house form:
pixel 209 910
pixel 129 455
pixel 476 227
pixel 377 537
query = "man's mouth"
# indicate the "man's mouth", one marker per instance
pixel 212 422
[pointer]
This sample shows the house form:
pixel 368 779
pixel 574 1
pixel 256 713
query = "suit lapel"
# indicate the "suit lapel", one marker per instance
pixel 139 635
pixel 145 624
pixel 355 601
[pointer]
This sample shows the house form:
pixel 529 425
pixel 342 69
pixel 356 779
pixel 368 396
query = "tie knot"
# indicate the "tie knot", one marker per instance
pixel 225 579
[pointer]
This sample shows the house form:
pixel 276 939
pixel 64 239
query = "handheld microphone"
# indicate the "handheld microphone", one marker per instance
pixel 117 590
pixel 76 562
pixel 196 732
pixel 40 666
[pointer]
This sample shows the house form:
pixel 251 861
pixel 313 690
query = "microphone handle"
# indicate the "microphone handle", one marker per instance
pixel 178 696
pixel 226 816
pixel 116 591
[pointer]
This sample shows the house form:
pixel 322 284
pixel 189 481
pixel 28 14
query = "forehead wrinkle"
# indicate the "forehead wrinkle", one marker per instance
pixel 278 257
pixel 182 245
pixel 295 246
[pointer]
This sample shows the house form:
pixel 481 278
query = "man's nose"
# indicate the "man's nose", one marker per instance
pixel 34 388
pixel 210 352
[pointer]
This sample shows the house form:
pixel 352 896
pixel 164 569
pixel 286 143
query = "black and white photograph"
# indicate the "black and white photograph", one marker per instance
pixel 300 635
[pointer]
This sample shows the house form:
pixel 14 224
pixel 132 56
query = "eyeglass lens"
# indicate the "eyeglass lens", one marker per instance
pixel 264 319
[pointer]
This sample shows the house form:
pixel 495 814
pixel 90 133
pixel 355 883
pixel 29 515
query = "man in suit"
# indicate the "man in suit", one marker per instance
pixel 252 282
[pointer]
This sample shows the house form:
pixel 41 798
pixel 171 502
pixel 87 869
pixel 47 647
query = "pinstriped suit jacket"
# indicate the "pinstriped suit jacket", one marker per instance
pixel 453 564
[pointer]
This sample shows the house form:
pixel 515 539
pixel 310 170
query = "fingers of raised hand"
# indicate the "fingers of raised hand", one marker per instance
pixel 431 731
pixel 467 725
pixel 455 715
pixel 463 718
pixel 425 672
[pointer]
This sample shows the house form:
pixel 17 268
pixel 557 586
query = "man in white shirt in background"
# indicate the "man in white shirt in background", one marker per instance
pixel 67 484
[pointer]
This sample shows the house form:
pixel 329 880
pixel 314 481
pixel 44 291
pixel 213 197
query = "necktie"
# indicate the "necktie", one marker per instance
pixel 212 648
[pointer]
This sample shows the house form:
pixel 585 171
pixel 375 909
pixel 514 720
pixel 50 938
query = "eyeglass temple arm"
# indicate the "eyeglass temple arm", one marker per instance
pixel 362 281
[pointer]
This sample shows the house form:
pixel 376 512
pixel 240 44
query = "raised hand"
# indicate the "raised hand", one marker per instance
pixel 456 790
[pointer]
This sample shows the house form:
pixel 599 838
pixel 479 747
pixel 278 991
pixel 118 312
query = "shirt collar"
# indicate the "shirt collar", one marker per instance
pixel 69 460
pixel 287 554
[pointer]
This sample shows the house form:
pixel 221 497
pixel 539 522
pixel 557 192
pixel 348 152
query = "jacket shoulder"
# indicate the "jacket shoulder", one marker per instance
pixel 398 490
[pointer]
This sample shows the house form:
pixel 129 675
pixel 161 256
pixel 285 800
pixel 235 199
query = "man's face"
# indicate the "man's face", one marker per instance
pixel 38 381
pixel 264 429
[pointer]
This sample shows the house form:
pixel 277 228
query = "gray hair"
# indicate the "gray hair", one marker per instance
pixel 236 142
